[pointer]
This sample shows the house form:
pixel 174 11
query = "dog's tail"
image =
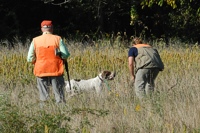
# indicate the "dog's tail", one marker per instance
pixel 67 86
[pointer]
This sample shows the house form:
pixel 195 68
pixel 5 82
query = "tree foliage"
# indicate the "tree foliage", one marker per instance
pixel 168 18
pixel 148 18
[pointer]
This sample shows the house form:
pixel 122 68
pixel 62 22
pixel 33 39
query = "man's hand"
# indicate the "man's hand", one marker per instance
pixel 133 79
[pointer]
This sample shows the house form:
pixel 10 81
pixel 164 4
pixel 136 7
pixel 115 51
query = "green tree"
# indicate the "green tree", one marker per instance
pixel 168 18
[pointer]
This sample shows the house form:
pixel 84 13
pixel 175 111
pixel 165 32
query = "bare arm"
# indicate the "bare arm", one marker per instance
pixel 131 67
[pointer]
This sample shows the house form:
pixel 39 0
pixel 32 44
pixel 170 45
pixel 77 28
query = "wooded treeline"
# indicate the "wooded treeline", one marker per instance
pixel 148 18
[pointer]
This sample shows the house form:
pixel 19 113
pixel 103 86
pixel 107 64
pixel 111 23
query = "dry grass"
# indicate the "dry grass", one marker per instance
pixel 173 109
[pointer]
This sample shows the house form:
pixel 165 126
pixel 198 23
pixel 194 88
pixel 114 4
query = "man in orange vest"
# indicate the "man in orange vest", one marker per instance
pixel 144 64
pixel 48 66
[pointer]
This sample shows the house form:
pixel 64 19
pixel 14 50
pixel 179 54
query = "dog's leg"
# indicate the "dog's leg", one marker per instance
pixel 98 89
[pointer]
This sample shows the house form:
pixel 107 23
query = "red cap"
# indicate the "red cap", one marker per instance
pixel 46 24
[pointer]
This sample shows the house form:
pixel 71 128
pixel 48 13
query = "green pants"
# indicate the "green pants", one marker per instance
pixel 57 82
pixel 144 81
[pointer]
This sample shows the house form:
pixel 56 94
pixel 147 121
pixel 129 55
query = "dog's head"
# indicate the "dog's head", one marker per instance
pixel 108 75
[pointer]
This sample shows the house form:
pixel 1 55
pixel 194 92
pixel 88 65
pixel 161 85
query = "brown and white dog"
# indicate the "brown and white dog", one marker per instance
pixel 78 85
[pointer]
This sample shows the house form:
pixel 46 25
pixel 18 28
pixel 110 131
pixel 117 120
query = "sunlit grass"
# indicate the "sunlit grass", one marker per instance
pixel 173 108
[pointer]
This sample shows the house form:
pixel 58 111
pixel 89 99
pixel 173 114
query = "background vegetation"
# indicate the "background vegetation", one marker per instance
pixel 174 108
pixel 152 19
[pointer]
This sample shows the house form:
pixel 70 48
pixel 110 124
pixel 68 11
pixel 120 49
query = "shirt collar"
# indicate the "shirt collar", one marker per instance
pixel 46 32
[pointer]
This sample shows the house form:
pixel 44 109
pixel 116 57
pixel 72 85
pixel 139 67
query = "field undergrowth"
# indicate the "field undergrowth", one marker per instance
pixel 174 107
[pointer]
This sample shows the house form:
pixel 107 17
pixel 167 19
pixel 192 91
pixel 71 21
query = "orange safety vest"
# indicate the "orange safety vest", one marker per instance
pixel 141 45
pixel 47 63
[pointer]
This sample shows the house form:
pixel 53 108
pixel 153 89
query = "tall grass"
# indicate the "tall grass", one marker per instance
pixel 174 108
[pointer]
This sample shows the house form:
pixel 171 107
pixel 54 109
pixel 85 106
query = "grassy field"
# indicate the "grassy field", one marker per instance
pixel 174 108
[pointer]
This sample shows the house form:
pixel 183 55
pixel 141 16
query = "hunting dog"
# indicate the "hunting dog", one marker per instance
pixel 78 85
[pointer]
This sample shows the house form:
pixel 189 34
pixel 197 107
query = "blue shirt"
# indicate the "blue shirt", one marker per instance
pixel 133 52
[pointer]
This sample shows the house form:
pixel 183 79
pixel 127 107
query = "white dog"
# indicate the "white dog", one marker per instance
pixel 78 85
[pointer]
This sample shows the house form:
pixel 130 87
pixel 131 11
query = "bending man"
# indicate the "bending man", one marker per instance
pixel 144 65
